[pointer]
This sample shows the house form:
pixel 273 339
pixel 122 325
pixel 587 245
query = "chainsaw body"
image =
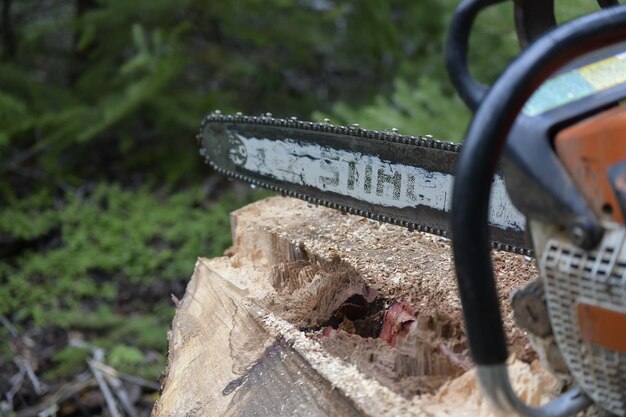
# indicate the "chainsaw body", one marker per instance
pixel 555 118
pixel 562 164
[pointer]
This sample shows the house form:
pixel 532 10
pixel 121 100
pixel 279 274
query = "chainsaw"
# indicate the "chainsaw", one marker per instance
pixel 541 172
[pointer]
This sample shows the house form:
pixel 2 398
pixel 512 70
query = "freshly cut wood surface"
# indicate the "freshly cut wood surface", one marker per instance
pixel 314 313
pixel 224 362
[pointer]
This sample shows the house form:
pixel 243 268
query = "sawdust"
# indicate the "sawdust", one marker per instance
pixel 392 261
pixel 534 385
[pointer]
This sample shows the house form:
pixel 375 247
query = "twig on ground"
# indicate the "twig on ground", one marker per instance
pixel 9 326
pixel 32 377
pixel 16 382
pixel 104 387
pixel 81 382
pixel 50 411
pixel 22 349
pixel 122 395
pixel 112 377
pixel 109 378
pixel 133 379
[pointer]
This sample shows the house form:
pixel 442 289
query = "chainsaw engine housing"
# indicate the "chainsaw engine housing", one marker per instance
pixel 572 76
pixel 586 295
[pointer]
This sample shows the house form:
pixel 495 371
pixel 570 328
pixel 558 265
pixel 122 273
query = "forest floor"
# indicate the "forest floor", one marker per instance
pixel 88 283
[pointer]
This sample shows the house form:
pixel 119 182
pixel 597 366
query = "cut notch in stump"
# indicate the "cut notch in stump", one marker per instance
pixel 318 313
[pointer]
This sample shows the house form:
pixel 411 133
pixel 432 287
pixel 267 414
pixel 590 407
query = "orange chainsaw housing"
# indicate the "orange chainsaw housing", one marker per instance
pixel 587 150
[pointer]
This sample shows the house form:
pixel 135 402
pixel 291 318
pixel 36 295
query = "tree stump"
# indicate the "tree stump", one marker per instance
pixel 317 313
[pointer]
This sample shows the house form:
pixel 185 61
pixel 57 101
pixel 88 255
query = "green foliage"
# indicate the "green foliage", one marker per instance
pixel 29 217
pixel 422 100
pixel 134 237
pixel 105 264
pixel 124 357
pixel 420 110
pixel 69 360
pixel 136 77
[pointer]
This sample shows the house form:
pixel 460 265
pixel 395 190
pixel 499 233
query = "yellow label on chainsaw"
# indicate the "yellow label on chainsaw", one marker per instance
pixel 606 73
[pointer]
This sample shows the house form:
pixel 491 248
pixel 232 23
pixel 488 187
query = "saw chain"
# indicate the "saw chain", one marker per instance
pixel 237 155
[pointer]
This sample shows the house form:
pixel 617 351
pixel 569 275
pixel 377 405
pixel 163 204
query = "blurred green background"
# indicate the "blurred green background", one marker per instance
pixel 104 201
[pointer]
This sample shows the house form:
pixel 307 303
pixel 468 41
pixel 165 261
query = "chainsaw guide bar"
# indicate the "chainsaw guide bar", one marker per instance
pixel 384 176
